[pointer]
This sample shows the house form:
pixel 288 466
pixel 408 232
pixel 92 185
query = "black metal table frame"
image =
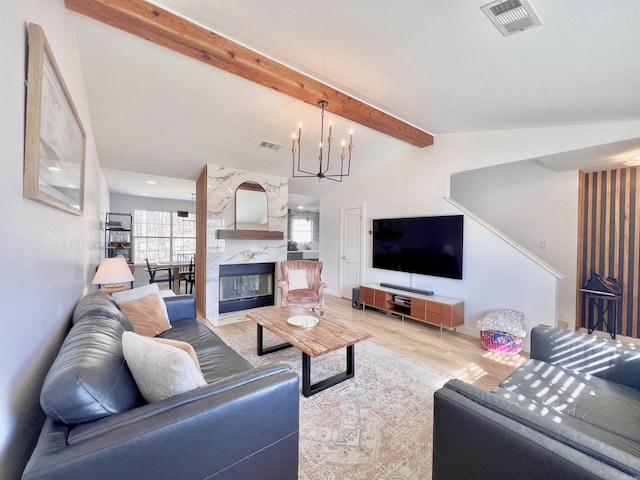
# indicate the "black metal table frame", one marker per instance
pixel 309 389
pixel 603 304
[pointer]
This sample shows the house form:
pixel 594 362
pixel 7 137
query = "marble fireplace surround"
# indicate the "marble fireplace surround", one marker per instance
pixel 222 183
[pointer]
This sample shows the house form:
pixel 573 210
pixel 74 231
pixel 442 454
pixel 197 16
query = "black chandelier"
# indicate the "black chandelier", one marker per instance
pixel 323 167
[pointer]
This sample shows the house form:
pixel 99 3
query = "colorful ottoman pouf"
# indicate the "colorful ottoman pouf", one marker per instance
pixel 502 330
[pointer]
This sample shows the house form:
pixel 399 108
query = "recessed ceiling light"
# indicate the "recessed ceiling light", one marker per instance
pixel 151 182
pixel 632 162
pixel 300 207
pixel 145 194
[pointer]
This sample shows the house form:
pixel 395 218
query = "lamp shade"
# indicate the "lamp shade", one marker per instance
pixel 113 270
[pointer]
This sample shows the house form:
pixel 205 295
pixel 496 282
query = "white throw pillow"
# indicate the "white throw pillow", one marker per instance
pixel 139 292
pixel 160 370
pixel 297 279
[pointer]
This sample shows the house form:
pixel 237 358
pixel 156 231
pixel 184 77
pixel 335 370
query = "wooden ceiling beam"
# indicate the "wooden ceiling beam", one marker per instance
pixel 164 28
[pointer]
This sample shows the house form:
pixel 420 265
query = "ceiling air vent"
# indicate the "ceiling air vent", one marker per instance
pixel 270 145
pixel 512 16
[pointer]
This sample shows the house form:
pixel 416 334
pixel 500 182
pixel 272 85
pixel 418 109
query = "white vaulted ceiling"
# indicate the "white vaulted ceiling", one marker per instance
pixel 438 65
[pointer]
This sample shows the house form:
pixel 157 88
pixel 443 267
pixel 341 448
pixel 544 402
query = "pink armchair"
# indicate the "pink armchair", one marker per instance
pixel 301 284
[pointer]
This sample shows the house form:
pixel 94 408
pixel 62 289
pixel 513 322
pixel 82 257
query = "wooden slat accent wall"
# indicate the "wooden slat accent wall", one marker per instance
pixel 609 239
pixel 201 243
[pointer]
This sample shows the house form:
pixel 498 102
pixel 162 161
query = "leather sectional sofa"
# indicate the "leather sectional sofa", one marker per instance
pixel 242 425
pixel 571 411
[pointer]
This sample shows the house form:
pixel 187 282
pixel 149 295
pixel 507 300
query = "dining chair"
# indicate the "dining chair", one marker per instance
pixel 189 276
pixel 184 271
pixel 183 257
pixel 159 274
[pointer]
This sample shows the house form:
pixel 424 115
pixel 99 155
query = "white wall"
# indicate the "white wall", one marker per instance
pixel 129 203
pixel 414 182
pixel 528 201
pixel 48 255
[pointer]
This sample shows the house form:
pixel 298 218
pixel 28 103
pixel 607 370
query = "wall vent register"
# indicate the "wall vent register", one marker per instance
pixel 512 16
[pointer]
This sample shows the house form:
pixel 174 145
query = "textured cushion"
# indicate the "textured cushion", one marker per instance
pixel 504 320
pixel 146 315
pixel 610 406
pixel 193 332
pixel 557 417
pixel 303 295
pixel 139 292
pixel 89 378
pixel 182 346
pixel 160 371
pixel 297 279
pixel 221 362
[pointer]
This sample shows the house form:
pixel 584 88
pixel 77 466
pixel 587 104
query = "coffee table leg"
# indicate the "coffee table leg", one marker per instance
pixel 308 389
pixel 261 350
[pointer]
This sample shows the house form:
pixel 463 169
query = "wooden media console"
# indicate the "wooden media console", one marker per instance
pixel 442 311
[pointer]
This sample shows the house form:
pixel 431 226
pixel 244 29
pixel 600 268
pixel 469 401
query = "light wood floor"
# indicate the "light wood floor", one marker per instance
pixel 455 354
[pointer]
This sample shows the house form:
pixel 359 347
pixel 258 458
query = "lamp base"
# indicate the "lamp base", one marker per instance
pixel 113 288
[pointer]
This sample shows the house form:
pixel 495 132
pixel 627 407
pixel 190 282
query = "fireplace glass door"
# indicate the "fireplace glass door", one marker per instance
pixel 251 288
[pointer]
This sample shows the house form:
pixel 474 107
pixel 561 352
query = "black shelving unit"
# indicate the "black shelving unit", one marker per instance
pixel 118 238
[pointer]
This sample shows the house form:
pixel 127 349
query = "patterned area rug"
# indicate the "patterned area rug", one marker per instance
pixel 377 425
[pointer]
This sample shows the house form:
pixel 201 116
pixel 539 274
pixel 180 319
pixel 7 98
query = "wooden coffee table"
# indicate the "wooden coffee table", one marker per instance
pixel 326 336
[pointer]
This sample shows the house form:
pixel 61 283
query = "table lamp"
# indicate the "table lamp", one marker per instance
pixel 111 273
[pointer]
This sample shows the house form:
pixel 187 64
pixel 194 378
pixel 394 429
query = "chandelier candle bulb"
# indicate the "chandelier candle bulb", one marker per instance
pixel 324 164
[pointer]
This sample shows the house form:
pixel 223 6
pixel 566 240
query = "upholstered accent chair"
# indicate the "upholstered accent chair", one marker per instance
pixel 301 284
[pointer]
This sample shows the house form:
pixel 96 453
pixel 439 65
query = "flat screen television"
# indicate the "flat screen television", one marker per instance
pixel 424 245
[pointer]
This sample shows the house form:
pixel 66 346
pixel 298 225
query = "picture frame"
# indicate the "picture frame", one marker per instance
pixel 55 140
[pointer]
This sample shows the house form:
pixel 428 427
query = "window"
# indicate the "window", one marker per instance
pixel 161 236
pixel 301 230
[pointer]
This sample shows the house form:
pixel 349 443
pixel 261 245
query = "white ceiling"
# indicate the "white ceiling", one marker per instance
pixel 439 65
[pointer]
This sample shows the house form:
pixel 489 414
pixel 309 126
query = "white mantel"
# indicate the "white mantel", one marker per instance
pixel 222 183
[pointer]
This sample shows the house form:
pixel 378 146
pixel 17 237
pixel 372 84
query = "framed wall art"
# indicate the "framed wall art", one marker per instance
pixel 54 153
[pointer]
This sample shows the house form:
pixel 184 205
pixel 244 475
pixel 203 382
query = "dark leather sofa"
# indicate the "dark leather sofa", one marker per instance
pixel 242 425
pixel 571 411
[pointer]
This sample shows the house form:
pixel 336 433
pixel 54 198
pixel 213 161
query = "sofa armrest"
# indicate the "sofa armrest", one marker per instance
pixel 181 307
pixel 479 435
pixel 227 430
pixel 608 359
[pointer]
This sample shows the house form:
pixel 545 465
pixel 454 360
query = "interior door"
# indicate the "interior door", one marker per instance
pixel 351 250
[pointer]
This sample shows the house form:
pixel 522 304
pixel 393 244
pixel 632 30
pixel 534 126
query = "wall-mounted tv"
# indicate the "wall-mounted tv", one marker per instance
pixel 424 245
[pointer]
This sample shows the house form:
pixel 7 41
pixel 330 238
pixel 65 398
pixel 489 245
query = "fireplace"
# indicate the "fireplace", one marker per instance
pixel 246 285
